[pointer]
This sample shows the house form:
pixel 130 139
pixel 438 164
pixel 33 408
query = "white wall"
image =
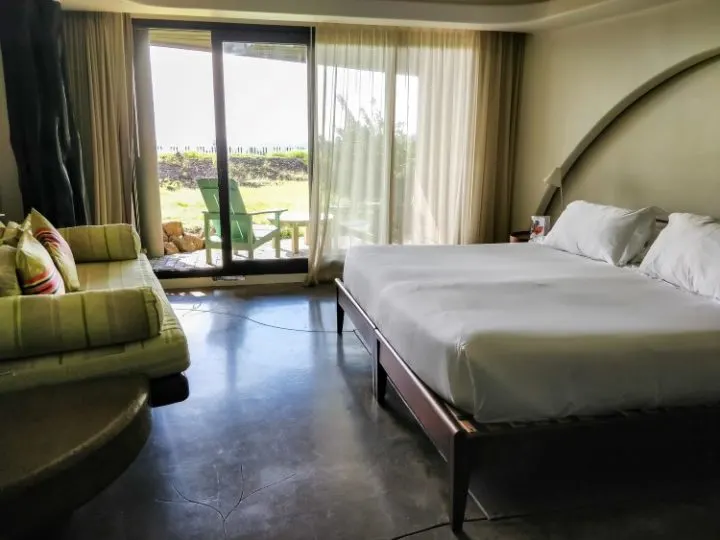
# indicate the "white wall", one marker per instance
pixel 10 199
pixel 574 76
pixel 663 152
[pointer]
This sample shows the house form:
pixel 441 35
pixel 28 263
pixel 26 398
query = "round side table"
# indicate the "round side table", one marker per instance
pixel 62 445
pixel 295 220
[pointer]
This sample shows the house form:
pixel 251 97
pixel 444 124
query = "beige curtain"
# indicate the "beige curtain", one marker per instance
pixel 499 74
pixel 99 55
pixel 403 120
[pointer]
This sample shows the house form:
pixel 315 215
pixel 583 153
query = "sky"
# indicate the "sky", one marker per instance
pixel 265 100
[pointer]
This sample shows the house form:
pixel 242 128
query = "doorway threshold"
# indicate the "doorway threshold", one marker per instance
pixel 230 281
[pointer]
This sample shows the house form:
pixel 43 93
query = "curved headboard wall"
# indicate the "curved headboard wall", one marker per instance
pixel 660 145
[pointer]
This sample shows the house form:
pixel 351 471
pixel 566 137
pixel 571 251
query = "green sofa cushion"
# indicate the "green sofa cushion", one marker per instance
pixel 157 356
pixel 102 243
pixel 9 285
pixel 43 324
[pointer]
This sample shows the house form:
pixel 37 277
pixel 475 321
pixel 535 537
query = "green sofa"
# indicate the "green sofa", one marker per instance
pixel 120 323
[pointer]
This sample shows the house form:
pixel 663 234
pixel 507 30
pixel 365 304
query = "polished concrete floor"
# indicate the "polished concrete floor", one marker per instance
pixel 281 438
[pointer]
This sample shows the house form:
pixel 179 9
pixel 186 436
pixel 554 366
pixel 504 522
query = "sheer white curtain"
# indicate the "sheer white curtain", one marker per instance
pixel 396 136
pixel 354 132
pixel 434 119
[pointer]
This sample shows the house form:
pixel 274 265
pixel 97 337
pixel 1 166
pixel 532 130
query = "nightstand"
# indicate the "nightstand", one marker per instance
pixel 519 237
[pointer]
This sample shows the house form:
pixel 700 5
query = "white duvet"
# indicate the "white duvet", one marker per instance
pixel 521 332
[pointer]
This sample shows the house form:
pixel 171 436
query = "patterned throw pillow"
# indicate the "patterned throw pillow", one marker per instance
pixel 36 271
pixel 9 285
pixel 11 234
pixel 57 247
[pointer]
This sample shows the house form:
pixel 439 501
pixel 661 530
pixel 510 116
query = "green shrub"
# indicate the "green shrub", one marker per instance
pixel 292 154
pixel 191 154
pixel 245 156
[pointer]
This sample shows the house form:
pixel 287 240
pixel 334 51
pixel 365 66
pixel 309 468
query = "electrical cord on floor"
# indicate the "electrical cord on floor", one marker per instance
pixel 433 527
pixel 406 535
pixel 179 308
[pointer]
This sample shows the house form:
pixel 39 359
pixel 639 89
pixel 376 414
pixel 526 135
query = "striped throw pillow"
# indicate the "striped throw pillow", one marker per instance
pixel 57 247
pixel 36 271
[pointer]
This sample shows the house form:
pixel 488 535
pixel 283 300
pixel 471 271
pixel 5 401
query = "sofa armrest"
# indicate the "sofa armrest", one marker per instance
pixel 101 243
pixel 53 324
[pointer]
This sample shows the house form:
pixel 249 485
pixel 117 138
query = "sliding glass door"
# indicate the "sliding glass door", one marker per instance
pixel 232 119
pixel 263 169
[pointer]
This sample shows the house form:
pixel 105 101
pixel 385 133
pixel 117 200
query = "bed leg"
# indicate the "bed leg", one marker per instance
pixel 339 313
pixel 380 380
pixel 459 463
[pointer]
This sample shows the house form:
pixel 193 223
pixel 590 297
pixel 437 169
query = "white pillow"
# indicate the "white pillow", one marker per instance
pixel 659 226
pixel 687 254
pixel 605 233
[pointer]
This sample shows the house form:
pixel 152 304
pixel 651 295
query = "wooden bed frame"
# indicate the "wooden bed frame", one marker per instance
pixel 456 435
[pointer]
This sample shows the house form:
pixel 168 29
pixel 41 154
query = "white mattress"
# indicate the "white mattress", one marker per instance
pixel 521 332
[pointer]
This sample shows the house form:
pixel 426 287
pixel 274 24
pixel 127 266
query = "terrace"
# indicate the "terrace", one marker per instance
pixel 263 178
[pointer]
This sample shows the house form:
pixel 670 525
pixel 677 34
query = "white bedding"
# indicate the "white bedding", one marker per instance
pixel 521 332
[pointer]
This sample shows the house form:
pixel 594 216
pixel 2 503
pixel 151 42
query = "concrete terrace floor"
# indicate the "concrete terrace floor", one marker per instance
pixel 281 438
pixel 198 259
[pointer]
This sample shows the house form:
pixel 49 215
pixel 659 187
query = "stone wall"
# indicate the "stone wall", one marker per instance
pixel 186 168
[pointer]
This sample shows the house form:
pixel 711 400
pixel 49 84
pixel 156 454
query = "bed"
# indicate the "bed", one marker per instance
pixel 483 339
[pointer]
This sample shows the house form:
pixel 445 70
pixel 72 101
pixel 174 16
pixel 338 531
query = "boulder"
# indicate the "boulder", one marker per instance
pixel 173 228
pixel 188 242
pixel 171 249
pixel 166 238
pixel 197 239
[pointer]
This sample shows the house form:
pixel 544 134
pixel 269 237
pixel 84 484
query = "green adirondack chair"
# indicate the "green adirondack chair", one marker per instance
pixel 245 235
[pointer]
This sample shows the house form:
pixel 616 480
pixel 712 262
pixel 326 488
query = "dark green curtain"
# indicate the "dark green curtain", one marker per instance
pixel 42 133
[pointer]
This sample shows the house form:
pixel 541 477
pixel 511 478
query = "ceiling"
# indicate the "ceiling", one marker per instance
pixel 487 2
pixel 509 15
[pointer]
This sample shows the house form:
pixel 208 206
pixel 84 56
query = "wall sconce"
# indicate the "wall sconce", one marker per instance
pixel 552 183
pixel 554 179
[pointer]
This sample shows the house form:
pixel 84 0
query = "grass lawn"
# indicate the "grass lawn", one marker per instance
pixel 187 204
